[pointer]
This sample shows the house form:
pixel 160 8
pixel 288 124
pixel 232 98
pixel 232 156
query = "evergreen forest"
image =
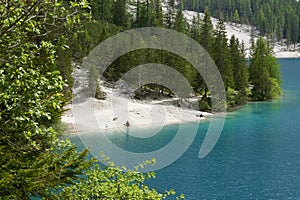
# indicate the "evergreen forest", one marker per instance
pixel 276 20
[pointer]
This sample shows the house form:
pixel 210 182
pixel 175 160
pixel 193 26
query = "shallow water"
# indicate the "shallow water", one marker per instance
pixel 256 157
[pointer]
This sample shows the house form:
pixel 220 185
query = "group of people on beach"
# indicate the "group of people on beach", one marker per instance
pixel 127 124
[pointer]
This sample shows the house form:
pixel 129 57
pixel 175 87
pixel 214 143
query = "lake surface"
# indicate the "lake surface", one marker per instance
pixel 256 157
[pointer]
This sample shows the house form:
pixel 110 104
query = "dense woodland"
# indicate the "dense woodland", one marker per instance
pixel 276 19
pixel 242 83
pixel 39 41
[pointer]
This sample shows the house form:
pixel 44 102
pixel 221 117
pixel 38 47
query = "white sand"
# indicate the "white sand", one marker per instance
pixel 112 114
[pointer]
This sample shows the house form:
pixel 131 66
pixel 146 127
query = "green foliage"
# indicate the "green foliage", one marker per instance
pixel 64 64
pixel 114 183
pixel 204 105
pixel 231 96
pixel 148 13
pixel 93 32
pixel 275 88
pixel 33 158
pixel 206 34
pixel 221 55
pixel 119 14
pixel 196 27
pixel 202 32
pixel 264 72
pixel 236 16
pixel 240 70
pixel 180 23
pixel 158 16
pixel 102 9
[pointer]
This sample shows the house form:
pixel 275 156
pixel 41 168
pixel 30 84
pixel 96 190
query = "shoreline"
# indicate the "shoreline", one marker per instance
pixel 288 57
pixel 112 114
pixel 134 128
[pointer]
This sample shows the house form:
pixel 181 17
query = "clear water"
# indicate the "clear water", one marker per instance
pixel 256 157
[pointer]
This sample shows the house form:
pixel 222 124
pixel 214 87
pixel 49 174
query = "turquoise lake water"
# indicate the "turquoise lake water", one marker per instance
pixel 256 157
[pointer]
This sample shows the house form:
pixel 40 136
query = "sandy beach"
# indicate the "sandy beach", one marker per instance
pixel 117 109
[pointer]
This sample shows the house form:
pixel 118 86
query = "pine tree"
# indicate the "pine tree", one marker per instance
pixel 195 28
pixel 240 70
pixel 144 14
pixel 236 16
pixel 206 36
pixel 158 14
pixel 180 23
pixel 120 13
pixel 102 9
pixel 221 55
pixel 264 72
pixel 148 13
pixel 206 39
pixel 295 29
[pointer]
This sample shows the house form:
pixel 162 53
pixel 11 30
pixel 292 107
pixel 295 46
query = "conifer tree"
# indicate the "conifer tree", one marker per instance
pixel 195 29
pixel 221 55
pixel 240 70
pixel 206 36
pixel 206 39
pixel 180 23
pixel 158 14
pixel 102 9
pixel 120 13
pixel 264 72
pixel 236 16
